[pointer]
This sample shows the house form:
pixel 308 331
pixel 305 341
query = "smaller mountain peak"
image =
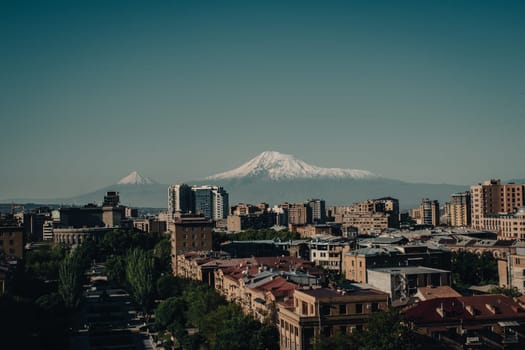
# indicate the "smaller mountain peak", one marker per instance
pixel 135 178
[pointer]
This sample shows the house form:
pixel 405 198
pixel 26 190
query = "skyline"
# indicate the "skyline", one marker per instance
pixel 177 91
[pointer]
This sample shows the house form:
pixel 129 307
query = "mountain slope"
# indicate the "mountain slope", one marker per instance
pixel 278 166
pixel 134 178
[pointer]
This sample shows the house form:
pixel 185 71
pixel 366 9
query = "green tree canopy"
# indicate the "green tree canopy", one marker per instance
pixel 139 274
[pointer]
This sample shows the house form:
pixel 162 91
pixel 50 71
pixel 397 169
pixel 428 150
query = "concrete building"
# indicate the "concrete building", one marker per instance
pixel 327 251
pixel 402 283
pixel 372 216
pixel 11 238
pixel 180 200
pixel 315 312
pixel 497 207
pixel 189 233
pixel 429 212
pixel 318 208
pixel 298 213
pixel 357 262
pixel 74 236
pixel 460 210
pixel 511 270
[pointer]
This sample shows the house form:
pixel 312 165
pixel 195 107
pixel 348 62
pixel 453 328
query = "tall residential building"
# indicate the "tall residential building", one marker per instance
pixel 460 209
pixel 318 208
pixel 221 203
pixel 429 212
pixel 499 208
pixel 210 201
pixel 180 200
pixel 298 213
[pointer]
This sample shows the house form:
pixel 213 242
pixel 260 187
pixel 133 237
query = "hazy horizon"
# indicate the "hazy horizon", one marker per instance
pixel 428 92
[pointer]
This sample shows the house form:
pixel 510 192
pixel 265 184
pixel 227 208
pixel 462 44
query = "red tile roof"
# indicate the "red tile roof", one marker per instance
pixel 493 307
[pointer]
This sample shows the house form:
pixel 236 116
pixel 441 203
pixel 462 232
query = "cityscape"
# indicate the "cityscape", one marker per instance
pixel 278 175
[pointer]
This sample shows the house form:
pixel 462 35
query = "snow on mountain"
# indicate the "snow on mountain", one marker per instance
pixel 134 178
pixel 279 166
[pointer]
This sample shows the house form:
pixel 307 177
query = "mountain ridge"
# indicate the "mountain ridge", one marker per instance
pixel 277 166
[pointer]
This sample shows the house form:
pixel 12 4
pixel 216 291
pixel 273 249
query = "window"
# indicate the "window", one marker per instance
pixel 375 307
pixel 358 308
pixel 304 308
pixel 342 309
pixel 11 251
pixel 325 310
pixel 11 242
pixel 1 242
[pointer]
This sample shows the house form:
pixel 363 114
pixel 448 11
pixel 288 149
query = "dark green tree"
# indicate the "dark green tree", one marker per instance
pixel 115 268
pixel 510 292
pixel 387 331
pixel 70 280
pixel 139 274
pixel 170 311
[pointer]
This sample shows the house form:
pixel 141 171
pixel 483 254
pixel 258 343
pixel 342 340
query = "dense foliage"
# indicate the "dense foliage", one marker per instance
pixel 194 306
pixel 471 269
pixel 386 330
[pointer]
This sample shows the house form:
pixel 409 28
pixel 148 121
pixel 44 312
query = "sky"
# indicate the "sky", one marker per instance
pixel 422 91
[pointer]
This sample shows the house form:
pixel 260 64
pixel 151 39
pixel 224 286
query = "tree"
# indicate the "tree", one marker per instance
pixel 168 286
pixel 201 300
pixel 115 268
pixel 139 274
pixel 337 342
pixel 510 292
pixel 70 280
pixel 170 311
pixel 386 330
pixel 162 254
pixel 472 269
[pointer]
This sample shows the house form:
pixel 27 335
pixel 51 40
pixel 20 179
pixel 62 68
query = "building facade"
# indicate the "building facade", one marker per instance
pixel 189 233
pixel 460 210
pixel 325 312
pixel 499 208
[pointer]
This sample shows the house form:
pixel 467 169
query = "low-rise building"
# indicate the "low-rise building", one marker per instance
pixel 327 251
pixel 480 321
pixel 402 283
pixel 357 262
pixel 511 270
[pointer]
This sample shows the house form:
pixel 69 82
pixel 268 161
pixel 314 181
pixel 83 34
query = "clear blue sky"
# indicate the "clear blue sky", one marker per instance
pixel 419 91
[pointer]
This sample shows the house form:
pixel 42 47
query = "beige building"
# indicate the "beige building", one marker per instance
pixel 325 312
pixel 429 212
pixel 371 223
pixel 511 270
pixel 460 212
pixel 189 233
pixel 298 213
pixel 494 207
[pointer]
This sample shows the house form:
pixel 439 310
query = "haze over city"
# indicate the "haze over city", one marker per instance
pixel 178 90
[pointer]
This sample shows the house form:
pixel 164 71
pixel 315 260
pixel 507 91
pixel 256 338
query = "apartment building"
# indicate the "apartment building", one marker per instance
pixel 511 270
pixel 460 210
pixel 314 312
pixel 189 233
pixel 357 262
pixel 499 207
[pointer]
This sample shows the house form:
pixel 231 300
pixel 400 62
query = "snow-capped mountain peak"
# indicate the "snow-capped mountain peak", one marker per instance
pixel 279 166
pixel 135 178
